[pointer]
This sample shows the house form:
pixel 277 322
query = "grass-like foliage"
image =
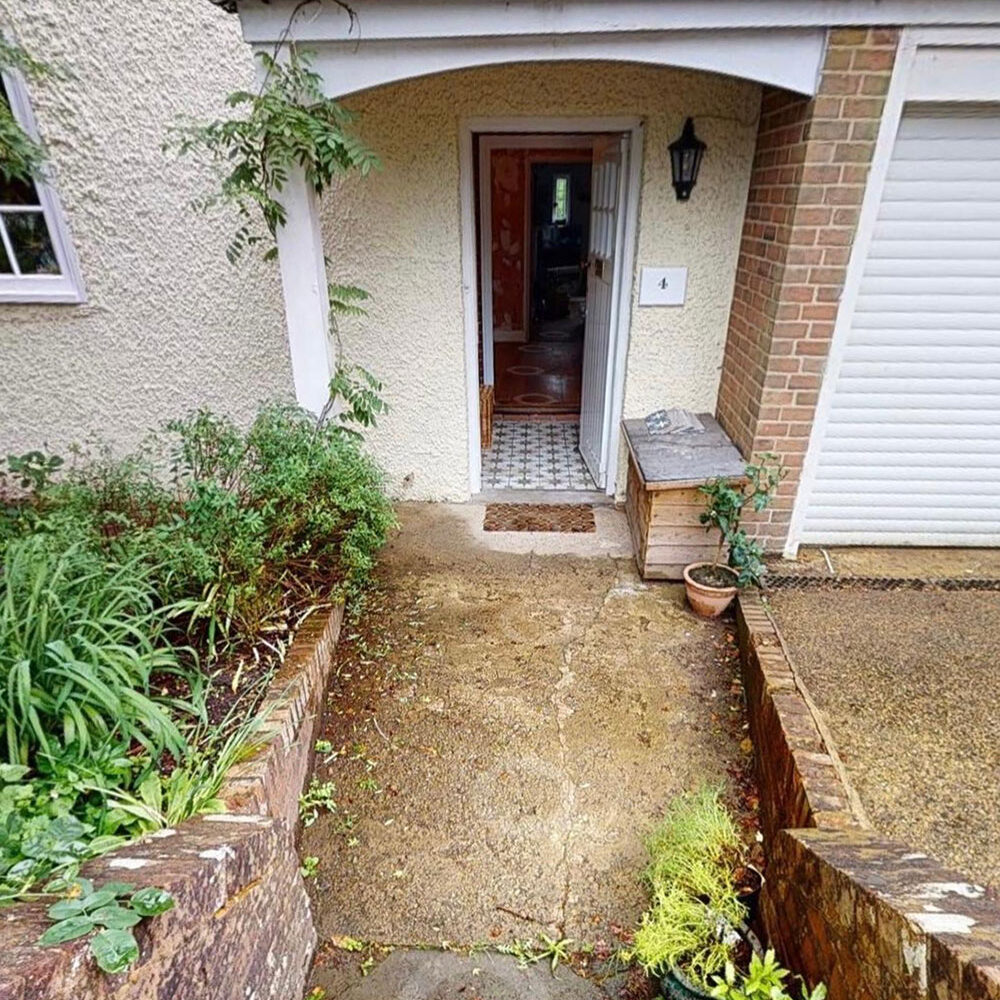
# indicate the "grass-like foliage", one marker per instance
pixel 694 903
pixel 80 639
pixel 126 585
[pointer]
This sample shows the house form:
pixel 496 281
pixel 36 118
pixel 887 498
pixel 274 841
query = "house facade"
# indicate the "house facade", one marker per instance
pixel 829 289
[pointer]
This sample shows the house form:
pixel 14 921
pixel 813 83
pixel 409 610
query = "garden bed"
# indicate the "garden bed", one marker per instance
pixel 162 618
pixel 242 924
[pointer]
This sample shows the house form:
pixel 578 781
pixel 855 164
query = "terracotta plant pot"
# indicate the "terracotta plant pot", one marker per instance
pixel 709 602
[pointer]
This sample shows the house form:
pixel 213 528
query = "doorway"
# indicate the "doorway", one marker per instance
pixel 549 222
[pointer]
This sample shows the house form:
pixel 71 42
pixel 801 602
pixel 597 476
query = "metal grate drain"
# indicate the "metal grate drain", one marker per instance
pixel 800 582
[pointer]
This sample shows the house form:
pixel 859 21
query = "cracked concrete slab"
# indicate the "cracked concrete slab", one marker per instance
pixel 498 759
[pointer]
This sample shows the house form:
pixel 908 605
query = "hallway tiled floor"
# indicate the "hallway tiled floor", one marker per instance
pixel 528 455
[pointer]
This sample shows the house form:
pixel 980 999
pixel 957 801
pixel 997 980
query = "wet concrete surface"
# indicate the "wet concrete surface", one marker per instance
pixel 504 728
pixel 907 683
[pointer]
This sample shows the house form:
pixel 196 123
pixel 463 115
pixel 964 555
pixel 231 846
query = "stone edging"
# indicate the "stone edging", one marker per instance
pixel 872 918
pixel 242 925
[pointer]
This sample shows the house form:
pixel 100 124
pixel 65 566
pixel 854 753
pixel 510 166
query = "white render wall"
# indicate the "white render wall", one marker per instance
pixel 169 324
pixel 397 233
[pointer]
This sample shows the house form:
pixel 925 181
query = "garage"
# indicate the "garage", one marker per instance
pixel 905 449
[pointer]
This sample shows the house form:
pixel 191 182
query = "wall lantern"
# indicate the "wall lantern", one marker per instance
pixel 685 160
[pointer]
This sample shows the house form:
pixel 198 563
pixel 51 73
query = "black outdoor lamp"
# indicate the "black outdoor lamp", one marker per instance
pixel 685 159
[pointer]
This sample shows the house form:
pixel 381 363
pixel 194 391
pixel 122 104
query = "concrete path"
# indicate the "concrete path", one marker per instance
pixel 505 726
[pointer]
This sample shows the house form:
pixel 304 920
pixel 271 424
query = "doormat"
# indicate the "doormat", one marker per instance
pixel 568 517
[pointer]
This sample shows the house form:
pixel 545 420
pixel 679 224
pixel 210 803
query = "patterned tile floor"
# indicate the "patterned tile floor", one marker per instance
pixel 528 455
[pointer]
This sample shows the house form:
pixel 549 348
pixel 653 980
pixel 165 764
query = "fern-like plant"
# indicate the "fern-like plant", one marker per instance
pixel 694 903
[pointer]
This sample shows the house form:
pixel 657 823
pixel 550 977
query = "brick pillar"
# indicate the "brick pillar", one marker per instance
pixel 806 187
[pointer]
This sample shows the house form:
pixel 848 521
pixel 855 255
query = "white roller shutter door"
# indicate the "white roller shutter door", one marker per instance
pixel 908 451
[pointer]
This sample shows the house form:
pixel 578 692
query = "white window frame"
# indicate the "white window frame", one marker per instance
pixel 67 286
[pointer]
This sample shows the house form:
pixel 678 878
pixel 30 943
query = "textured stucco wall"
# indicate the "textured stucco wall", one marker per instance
pixel 398 234
pixel 169 324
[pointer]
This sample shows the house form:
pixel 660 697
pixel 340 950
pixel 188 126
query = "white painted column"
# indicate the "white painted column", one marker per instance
pixel 303 281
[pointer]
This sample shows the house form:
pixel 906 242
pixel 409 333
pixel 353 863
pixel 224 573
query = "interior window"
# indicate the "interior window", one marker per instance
pixel 560 200
pixel 36 258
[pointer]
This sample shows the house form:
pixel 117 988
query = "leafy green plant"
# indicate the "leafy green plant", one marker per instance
pixel 318 798
pixel 694 902
pixel 21 156
pixel 112 911
pixel 764 980
pixel 725 505
pixel 289 123
pixel 80 639
pixel 34 469
pixel 309 866
pixel 192 787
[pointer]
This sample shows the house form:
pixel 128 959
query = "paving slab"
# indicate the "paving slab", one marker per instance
pixel 505 726
pixel 907 682
pixel 409 974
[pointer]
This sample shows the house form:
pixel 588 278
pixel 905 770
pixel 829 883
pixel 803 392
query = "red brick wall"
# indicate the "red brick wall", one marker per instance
pixel 806 188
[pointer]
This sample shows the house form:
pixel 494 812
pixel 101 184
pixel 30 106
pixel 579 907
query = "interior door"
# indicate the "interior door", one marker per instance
pixel 603 282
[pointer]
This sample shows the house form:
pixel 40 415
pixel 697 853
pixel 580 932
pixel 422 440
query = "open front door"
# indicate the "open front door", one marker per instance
pixel 603 283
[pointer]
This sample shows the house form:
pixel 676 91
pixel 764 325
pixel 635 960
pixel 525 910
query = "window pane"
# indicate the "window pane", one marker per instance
pixel 29 237
pixel 16 192
pixel 560 200
pixel 5 267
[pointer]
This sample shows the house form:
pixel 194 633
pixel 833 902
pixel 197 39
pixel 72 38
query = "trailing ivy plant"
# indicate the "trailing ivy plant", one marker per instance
pixel 21 156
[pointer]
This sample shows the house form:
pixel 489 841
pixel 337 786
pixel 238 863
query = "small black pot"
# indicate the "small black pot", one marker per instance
pixel 751 899
pixel 674 985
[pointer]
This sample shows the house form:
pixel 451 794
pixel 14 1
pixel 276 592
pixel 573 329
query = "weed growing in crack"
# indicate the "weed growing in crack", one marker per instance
pixel 555 951
pixel 317 798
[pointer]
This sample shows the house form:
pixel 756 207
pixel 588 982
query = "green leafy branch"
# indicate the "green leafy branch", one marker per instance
pixel 725 505
pixel 289 123
pixel 21 156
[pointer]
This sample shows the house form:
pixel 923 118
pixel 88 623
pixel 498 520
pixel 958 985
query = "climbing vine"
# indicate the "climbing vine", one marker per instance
pixel 288 123
pixel 21 157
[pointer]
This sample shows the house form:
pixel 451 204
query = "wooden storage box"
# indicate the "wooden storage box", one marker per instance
pixel 663 513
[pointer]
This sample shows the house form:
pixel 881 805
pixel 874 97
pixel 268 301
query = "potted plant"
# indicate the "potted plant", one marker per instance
pixel 711 586
pixel 763 980
pixel 696 923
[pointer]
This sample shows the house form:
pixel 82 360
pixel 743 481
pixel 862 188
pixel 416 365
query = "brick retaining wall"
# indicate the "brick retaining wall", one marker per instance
pixel 242 927
pixel 867 915
pixel 807 184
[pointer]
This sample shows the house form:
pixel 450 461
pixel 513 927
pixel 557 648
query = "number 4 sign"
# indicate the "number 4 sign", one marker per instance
pixel 663 286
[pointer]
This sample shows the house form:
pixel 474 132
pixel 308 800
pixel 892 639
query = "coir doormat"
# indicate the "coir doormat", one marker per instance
pixel 569 517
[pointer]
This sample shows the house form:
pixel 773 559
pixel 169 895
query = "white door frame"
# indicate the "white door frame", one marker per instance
pixel 903 86
pixel 487 144
pixel 618 348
